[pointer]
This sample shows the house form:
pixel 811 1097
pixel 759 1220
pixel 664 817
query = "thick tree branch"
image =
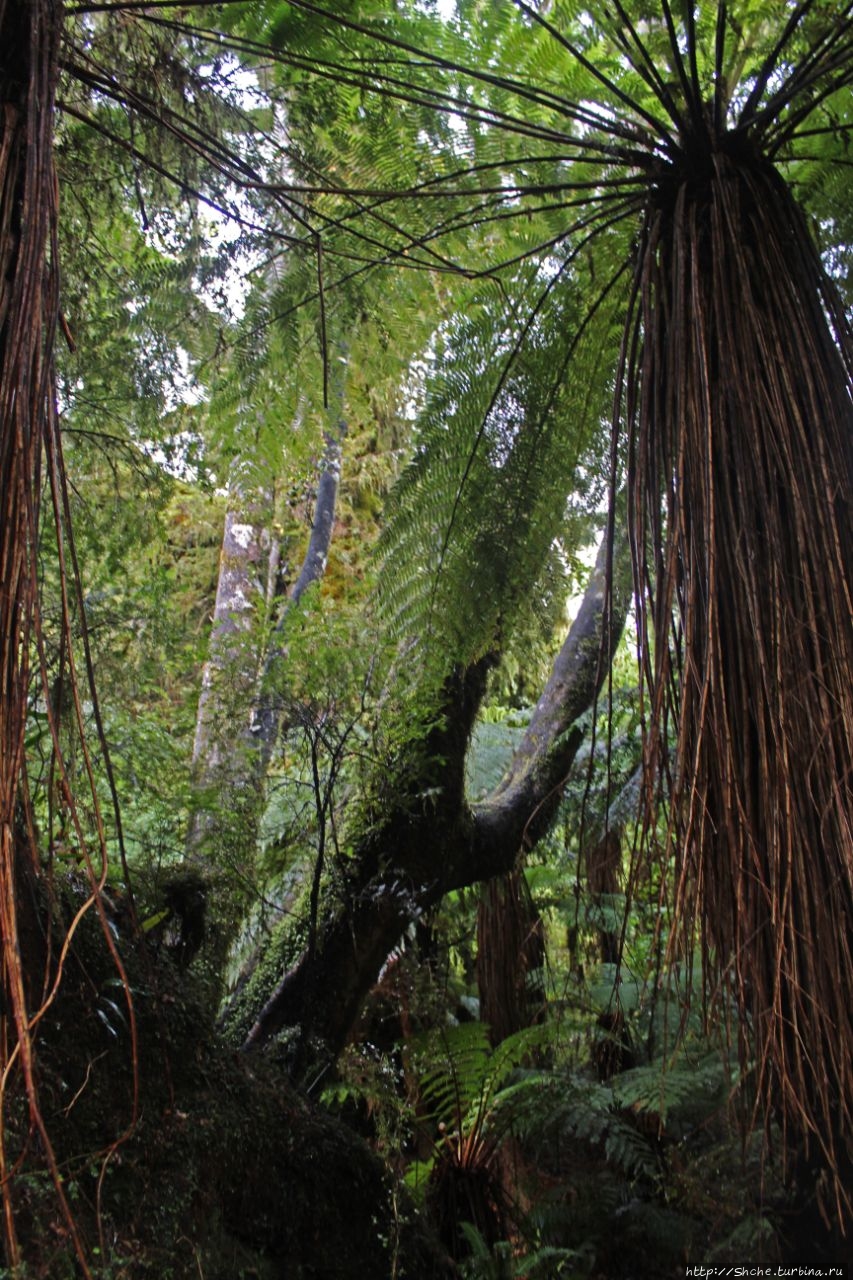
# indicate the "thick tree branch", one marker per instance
pixel 397 875
pixel 522 807
pixel 317 555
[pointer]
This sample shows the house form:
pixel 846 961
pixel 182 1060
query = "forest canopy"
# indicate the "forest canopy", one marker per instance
pixel 427 632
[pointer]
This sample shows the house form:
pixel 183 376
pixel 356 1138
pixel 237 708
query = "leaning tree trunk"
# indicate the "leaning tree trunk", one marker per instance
pixel 429 840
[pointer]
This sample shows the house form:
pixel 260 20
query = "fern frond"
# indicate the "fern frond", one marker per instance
pixel 500 445
pixel 460 1075
pixel 541 1106
pixel 452 1065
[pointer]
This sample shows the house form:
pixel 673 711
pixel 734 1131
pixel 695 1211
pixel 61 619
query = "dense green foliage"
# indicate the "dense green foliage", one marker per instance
pixel 483 265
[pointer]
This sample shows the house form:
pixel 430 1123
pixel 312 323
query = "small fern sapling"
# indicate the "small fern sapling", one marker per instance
pixel 465 1181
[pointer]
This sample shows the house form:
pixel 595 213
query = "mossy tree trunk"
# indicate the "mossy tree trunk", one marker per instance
pixel 432 840
pixel 239 715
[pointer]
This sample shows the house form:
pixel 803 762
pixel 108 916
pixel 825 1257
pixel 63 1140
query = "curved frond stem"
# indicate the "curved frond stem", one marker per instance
pixel 604 218
pixel 485 214
pixel 444 186
pixel 182 128
pixel 689 80
pixel 368 77
pixel 496 81
pixel 629 207
pixel 231 214
pixel 787 129
pixel 824 54
pixel 822 131
pixel 645 65
pixel 770 63
pixel 720 102
pixel 657 126
pixel 782 125
pixel 690 20
pixel 518 88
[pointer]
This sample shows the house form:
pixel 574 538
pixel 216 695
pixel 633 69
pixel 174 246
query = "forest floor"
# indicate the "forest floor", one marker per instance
pixel 221 1170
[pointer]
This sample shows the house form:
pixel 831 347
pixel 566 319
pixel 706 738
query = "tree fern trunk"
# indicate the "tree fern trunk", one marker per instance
pixel 28 317
pixel 510 957
pixel 741 396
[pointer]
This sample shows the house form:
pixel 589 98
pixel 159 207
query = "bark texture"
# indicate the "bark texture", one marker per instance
pixel 740 479
pixel 29 310
pixel 230 672
pixel 221 769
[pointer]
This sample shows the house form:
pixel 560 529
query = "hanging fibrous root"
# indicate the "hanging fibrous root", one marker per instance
pixel 34 498
pixel 736 396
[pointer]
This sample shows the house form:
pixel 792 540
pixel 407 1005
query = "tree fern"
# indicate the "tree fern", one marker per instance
pixel 460 1077
pixel 501 1261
